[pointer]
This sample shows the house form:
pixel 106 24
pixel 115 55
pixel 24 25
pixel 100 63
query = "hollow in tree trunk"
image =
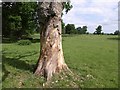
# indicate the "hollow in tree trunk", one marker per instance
pixel 51 58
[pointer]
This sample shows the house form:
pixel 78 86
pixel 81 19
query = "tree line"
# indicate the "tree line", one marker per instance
pixel 70 29
pixel 20 19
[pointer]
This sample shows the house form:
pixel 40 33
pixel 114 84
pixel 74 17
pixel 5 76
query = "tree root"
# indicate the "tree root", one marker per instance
pixel 47 73
pixel 65 76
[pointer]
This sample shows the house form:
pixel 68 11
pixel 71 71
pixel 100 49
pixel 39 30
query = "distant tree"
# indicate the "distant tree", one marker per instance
pixel 70 29
pixel 82 30
pixel 111 34
pixel 102 33
pixel 117 32
pixel 74 31
pixel 94 33
pixel 98 30
pixel 87 32
pixel 79 29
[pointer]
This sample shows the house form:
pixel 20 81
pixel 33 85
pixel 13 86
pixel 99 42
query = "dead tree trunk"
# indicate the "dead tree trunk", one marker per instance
pixel 51 58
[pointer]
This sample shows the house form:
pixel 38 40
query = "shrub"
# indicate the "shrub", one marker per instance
pixel 24 42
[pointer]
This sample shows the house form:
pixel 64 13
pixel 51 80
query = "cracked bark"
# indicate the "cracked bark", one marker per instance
pixel 51 58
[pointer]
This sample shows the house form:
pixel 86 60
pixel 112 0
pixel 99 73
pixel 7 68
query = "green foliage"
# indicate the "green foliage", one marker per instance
pixel 14 25
pixel 67 6
pixel 117 32
pixel 24 42
pixel 87 32
pixel 70 29
pixel 18 18
pixel 82 30
pixel 98 30
pixel 79 29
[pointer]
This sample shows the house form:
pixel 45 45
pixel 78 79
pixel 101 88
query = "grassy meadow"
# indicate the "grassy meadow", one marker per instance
pixel 92 58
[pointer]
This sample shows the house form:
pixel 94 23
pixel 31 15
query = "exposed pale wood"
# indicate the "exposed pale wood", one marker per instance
pixel 51 58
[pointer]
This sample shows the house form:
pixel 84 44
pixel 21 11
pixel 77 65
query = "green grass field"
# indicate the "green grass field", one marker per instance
pixel 93 58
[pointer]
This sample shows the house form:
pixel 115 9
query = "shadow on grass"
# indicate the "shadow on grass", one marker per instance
pixel 16 63
pixel 5 71
pixel 35 40
pixel 115 38
pixel 8 41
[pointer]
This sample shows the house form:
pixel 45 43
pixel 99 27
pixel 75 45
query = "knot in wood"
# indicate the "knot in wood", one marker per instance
pixel 55 25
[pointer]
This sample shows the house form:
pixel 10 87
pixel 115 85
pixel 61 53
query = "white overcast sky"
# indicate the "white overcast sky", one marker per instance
pixel 93 13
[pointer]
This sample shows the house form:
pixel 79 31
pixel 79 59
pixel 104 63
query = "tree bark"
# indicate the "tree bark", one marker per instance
pixel 51 59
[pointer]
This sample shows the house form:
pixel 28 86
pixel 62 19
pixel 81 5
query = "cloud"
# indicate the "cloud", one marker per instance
pixel 93 13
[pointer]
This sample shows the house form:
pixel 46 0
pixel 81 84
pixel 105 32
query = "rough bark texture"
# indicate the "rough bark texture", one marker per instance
pixel 51 58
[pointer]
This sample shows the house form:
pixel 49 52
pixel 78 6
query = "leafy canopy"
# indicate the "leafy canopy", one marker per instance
pixel 67 6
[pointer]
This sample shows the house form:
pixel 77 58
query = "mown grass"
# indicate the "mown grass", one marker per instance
pixel 92 58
